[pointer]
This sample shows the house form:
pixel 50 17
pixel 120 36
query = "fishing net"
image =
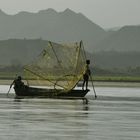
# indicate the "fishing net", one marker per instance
pixel 59 66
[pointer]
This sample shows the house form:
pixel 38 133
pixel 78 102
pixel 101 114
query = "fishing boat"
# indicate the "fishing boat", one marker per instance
pixel 55 72
pixel 51 93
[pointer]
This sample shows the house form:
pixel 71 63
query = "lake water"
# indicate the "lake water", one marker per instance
pixel 114 115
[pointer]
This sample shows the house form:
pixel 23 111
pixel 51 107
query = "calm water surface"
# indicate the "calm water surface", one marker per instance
pixel 115 115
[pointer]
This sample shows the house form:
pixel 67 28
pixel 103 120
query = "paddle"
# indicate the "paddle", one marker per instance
pixel 11 86
pixel 9 90
pixel 93 87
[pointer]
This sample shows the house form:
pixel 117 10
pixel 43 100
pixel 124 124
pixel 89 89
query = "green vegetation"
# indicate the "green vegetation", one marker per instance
pixel 106 78
pixel 117 78
pixel 7 75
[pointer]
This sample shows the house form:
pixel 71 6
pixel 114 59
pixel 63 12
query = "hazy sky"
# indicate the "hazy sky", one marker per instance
pixel 106 13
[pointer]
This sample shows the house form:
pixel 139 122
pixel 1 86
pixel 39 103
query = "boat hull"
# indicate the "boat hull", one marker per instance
pixel 32 91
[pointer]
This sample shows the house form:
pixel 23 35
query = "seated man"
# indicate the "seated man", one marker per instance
pixel 17 83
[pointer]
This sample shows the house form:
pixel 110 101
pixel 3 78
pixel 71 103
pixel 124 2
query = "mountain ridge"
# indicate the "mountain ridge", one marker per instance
pixel 66 26
pixel 124 39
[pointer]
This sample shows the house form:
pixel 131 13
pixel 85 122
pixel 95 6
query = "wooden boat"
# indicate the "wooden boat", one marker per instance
pixel 51 93
pixel 59 66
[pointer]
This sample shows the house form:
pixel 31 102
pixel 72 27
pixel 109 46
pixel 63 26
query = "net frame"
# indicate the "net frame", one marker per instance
pixel 67 72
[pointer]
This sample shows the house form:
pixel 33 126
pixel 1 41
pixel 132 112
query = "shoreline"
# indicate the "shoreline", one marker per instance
pixel 96 83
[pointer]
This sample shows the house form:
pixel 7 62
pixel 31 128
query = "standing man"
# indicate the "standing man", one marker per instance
pixel 86 75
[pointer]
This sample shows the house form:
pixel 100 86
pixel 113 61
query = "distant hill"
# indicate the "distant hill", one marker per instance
pixel 20 52
pixel 126 39
pixel 66 26
pixel 117 60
